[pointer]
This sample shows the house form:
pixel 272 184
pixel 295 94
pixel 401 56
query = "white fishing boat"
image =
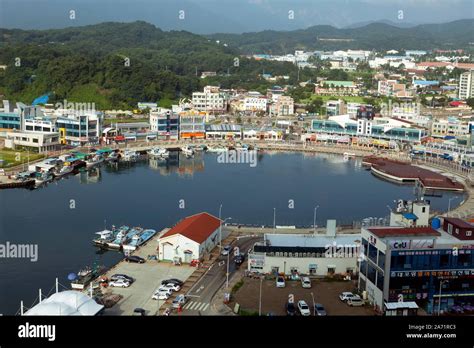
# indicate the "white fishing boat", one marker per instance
pixel 43 178
pixel 113 157
pixel 188 151
pixel 94 160
pixel 138 240
pixel 120 237
pixel 216 149
pixel 104 237
pixel 163 153
pixel 155 152
pixel 130 156
pixel 64 171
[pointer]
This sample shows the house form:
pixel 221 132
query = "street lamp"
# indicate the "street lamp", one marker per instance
pixel 439 298
pixel 314 219
pixel 449 205
pixel 260 297
pixel 274 219
pixel 314 305
pixel 220 229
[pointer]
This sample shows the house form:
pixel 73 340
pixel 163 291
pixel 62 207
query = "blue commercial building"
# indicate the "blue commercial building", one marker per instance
pixel 165 124
pixel 368 128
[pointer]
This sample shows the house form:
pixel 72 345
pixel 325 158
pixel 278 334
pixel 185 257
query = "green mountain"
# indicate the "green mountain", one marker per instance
pixel 118 64
pixel 378 36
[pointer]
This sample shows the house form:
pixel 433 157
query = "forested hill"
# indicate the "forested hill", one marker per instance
pixel 378 36
pixel 90 63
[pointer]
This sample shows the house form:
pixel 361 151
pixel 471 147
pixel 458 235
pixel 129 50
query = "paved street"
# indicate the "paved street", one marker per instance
pixel 202 292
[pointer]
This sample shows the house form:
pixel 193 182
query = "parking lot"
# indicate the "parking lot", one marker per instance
pixel 274 299
pixel 148 277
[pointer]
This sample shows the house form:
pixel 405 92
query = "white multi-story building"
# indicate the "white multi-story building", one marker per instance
pixel 211 100
pixel 466 85
pixel 36 141
pixel 254 101
pixel 450 127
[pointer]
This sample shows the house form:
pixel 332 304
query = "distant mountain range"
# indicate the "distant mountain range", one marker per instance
pixel 377 35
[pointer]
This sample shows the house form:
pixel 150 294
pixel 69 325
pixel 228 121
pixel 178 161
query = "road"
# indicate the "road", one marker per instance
pixel 201 294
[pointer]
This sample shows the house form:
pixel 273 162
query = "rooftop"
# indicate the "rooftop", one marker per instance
pixel 195 227
pixel 383 232
pixel 310 240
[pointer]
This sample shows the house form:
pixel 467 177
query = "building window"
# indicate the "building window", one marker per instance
pixel 468 233
pixel 331 270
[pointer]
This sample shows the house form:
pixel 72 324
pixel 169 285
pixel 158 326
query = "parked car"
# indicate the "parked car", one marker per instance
pixel 120 283
pixel 134 258
pixel 122 276
pixel 172 281
pixel 290 309
pixel 303 308
pixel 280 282
pixel 346 295
pixel 355 301
pixel 306 282
pixel 139 312
pixel 170 286
pixel 161 295
pixel 180 300
pixel 226 250
pixel 319 310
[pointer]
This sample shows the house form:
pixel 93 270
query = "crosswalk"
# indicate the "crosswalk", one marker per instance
pixel 196 306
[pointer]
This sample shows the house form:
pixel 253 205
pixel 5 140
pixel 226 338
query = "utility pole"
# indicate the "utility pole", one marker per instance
pixel 220 229
pixel 314 218
pixel 260 297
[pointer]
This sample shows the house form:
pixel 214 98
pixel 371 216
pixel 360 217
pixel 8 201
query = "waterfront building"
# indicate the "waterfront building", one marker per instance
pixel 210 100
pixel 306 254
pixel 420 264
pixel 190 239
pixel 267 134
pixel 224 131
pixel 165 124
pixel 39 142
pixel 380 128
pixel 466 84
pixel 79 128
pixel 192 125
pixel 133 131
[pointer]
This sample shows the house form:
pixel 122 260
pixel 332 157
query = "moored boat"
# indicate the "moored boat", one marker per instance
pixel 138 240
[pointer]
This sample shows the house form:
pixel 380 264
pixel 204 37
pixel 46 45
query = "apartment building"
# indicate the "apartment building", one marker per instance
pixel 211 99
pixel 283 106
pixel 451 126
pixel 466 85
pixel 165 123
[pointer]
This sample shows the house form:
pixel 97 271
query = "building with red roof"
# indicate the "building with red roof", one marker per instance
pixel 190 238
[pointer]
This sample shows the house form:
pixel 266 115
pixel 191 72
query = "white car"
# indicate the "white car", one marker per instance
pixel 170 286
pixel 120 283
pixel 355 301
pixel 306 282
pixel 304 308
pixel 280 282
pixel 161 295
pixel 346 295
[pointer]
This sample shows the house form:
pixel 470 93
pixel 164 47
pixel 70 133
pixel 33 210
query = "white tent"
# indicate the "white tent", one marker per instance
pixel 66 303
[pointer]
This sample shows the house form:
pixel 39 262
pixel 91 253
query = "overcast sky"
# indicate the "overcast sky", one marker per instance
pixel 233 16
